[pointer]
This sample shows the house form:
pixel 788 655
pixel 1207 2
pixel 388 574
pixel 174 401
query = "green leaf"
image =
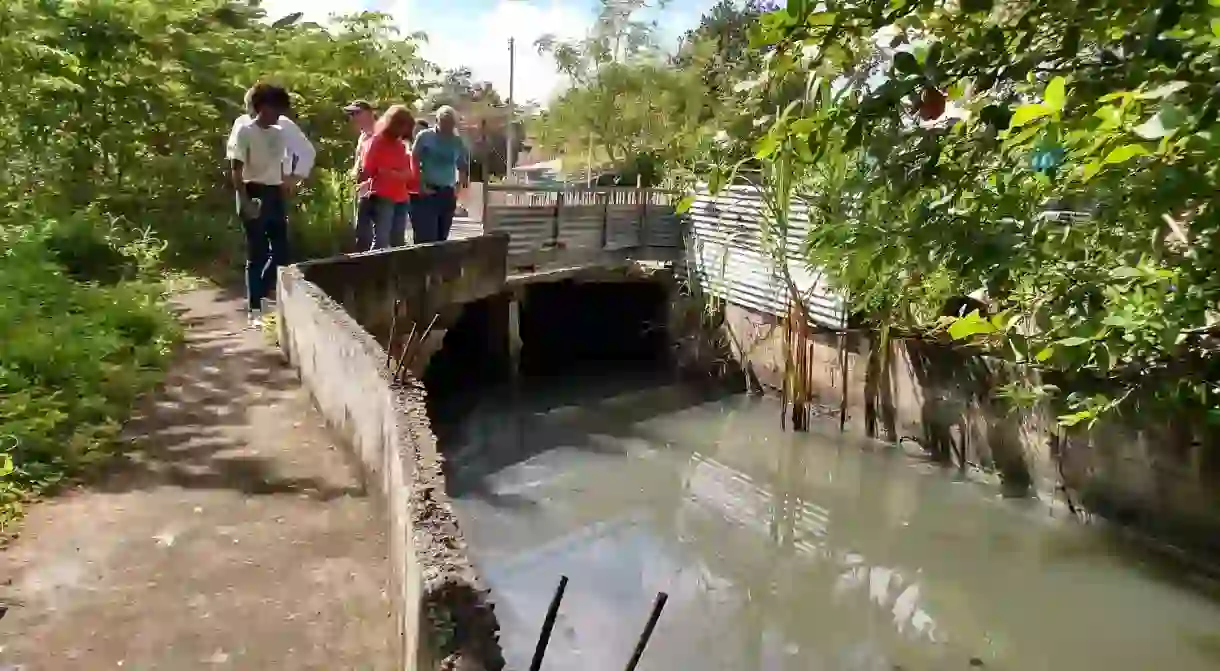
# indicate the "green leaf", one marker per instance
pixel 1075 418
pixel 684 205
pixel 288 20
pixel 1126 272
pixel 1002 320
pixel 970 325
pixel 1162 124
pixel 1164 91
pixel 1026 113
pixel 1090 169
pixel 1119 321
pixel 820 18
pixel 1125 153
pixel 1216 27
pixel 1110 116
pixel 1074 341
pixel 1056 94
pixel 1045 354
pixel 767 145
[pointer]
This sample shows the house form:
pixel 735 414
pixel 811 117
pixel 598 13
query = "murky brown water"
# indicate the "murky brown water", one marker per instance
pixel 785 552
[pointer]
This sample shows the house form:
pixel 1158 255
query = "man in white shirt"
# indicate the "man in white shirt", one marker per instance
pixel 362 117
pixel 299 154
pixel 256 151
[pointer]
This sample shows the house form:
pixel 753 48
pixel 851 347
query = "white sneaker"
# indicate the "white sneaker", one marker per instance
pixel 255 319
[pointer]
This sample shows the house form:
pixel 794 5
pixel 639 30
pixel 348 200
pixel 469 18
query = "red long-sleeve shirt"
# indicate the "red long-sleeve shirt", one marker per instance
pixel 389 164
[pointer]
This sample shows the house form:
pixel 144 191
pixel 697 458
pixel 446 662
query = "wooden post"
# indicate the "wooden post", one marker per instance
pixel 514 334
pixel 605 217
pixel 556 218
pixel 642 229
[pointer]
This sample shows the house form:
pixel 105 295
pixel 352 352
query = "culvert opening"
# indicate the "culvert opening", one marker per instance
pixel 474 353
pixel 573 326
pixel 566 328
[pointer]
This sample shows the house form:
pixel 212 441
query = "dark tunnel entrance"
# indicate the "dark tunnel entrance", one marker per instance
pixel 566 328
pixel 572 326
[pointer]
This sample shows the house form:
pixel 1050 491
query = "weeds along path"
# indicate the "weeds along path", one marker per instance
pixel 232 535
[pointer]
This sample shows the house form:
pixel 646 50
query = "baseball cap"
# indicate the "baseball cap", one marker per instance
pixel 358 106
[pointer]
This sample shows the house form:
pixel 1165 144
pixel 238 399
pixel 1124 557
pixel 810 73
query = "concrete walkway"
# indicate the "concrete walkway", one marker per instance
pixel 234 536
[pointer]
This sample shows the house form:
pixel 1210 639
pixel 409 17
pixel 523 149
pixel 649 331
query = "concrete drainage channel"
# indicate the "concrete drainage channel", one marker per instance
pixel 335 315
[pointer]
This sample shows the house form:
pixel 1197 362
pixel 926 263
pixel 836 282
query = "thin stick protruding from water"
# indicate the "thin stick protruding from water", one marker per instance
pixel 389 349
pixel 548 624
pixel 657 607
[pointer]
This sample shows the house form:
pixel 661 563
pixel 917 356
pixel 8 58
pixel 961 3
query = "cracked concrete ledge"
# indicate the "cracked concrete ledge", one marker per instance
pixel 445 618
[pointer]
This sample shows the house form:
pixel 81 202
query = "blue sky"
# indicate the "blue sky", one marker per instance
pixel 474 33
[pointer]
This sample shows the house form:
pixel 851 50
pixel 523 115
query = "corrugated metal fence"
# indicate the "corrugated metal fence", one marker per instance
pixel 539 218
pixel 730 255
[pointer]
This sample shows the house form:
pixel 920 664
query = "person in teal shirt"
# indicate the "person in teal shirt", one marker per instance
pixel 444 167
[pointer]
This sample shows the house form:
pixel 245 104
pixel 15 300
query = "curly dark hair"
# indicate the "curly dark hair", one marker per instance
pixel 268 95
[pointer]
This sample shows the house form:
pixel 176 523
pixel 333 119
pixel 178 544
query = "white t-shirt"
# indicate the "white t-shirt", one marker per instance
pixel 299 154
pixel 363 189
pixel 261 151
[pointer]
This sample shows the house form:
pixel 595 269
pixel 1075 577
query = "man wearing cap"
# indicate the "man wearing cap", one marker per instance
pixel 444 166
pixel 362 117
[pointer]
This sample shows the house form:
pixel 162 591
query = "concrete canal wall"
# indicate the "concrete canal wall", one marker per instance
pixel 337 326
pixel 445 620
pixel 1151 476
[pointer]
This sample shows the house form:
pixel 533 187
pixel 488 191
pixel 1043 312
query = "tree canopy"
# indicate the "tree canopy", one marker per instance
pixel 933 139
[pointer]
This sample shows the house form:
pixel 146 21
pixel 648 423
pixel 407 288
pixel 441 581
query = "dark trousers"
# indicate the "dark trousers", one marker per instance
pixel 364 224
pixel 432 214
pixel 389 222
pixel 266 242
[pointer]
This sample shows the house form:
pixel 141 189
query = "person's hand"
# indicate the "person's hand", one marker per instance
pixel 290 185
pixel 364 188
pixel 250 207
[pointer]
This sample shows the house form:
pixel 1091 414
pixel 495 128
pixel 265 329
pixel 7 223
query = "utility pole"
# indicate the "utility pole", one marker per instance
pixel 510 146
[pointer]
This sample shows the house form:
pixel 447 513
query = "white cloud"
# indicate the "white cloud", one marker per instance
pixel 481 43
pixel 475 33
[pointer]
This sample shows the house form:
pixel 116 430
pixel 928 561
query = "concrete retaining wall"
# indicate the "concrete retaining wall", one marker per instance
pixel 445 620
pixel 944 399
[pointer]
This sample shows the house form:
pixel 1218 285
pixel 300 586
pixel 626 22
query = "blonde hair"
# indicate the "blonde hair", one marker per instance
pixel 396 113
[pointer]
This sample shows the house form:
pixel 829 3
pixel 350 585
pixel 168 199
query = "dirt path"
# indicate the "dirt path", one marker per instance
pixel 235 536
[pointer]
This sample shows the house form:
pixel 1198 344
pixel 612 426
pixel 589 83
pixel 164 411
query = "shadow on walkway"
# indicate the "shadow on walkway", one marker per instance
pixel 232 533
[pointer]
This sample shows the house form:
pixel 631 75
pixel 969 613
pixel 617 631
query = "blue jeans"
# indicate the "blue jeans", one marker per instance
pixel 364 224
pixel 432 214
pixel 266 242
pixel 389 222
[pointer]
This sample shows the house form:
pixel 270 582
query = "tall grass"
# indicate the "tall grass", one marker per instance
pixel 82 333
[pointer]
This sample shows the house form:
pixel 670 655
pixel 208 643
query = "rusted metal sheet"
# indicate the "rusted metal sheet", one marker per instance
pixel 623 224
pixel 582 218
pixel 733 250
pixel 529 229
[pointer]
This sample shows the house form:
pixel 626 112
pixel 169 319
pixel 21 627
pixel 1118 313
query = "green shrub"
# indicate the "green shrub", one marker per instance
pixel 74 355
pixel 321 222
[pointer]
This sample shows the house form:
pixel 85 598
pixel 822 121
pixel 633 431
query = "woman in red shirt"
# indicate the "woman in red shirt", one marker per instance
pixel 387 162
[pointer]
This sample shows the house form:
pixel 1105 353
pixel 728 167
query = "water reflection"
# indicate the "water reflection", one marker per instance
pixel 785 552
